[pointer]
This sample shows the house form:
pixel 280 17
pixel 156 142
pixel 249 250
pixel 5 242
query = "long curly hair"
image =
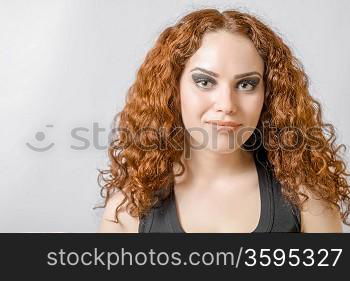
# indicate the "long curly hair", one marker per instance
pixel 143 175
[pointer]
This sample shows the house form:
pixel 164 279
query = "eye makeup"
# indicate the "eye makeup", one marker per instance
pixel 253 82
pixel 199 78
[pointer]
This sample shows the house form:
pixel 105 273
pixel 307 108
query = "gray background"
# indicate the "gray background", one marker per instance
pixel 68 64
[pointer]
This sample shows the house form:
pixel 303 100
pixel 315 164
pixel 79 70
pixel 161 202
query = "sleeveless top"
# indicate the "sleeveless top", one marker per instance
pixel 276 213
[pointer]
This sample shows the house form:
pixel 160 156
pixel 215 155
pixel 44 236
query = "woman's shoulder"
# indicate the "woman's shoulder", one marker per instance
pixel 126 222
pixel 317 215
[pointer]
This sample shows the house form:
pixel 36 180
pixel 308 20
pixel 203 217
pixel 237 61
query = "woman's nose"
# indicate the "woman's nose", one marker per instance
pixel 225 101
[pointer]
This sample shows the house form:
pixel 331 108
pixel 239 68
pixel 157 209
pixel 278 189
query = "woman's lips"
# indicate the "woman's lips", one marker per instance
pixel 224 125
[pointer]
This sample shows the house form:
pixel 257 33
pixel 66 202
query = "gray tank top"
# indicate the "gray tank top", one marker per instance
pixel 276 214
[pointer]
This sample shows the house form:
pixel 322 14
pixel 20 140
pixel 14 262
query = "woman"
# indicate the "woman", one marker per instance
pixel 220 134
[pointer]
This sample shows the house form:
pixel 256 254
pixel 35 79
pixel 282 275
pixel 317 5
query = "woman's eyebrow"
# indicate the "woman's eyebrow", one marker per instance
pixel 217 75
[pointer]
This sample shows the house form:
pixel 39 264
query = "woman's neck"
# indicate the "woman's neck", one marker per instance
pixel 208 168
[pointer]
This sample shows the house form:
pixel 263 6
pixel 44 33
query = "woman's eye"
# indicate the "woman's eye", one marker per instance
pixel 204 84
pixel 248 84
pixel 203 81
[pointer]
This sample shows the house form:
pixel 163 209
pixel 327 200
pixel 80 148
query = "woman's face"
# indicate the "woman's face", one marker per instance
pixel 222 81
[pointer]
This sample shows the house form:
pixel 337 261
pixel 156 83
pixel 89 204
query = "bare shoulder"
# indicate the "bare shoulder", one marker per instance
pixel 126 223
pixel 318 216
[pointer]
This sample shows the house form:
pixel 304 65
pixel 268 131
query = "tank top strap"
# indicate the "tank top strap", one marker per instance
pixel 145 223
pixel 266 194
pixel 285 216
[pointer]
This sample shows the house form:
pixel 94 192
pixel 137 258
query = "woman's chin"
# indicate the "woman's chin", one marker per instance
pixel 223 147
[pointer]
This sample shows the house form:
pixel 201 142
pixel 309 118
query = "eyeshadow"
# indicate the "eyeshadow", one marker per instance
pixel 199 77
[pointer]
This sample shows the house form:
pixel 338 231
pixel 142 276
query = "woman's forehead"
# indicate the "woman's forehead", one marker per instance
pixel 226 53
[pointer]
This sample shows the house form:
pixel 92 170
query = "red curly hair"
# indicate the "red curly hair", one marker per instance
pixel 153 102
